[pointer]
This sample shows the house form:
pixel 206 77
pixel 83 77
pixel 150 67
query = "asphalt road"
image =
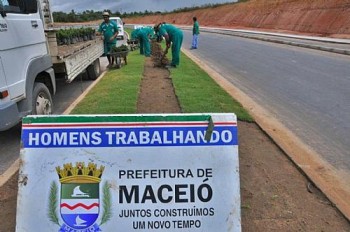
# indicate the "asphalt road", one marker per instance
pixel 65 95
pixel 307 90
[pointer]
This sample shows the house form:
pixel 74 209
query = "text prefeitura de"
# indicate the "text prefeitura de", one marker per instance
pixel 117 138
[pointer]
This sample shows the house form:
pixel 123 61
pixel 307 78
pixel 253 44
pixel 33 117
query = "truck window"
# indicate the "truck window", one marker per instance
pixel 13 6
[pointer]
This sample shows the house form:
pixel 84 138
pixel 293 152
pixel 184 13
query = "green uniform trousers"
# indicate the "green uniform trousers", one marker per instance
pixel 145 46
pixel 176 47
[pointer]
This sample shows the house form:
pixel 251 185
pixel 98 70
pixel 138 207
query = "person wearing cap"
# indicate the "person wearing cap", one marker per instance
pixel 143 34
pixel 109 30
pixel 173 37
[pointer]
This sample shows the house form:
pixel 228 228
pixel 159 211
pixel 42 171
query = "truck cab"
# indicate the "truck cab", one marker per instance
pixel 120 25
pixel 26 75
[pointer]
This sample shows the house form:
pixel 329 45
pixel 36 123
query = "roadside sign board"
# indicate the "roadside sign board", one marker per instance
pixel 165 172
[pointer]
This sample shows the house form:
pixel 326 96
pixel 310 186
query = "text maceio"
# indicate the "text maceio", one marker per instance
pixel 179 193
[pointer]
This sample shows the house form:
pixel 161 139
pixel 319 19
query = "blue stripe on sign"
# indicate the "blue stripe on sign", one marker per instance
pixel 128 137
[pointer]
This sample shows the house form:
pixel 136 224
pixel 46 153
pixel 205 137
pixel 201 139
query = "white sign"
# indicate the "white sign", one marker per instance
pixel 129 173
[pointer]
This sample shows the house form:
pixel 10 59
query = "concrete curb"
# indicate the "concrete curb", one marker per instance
pixel 255 35
pixel 323 175
pixel 305 37
pixel 82 96
pixel 11 171
pixel 15 166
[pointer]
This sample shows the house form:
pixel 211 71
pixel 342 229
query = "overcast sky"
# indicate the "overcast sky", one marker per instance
pixel 128 5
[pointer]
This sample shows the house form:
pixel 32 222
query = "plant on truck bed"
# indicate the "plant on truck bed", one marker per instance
pixel 74 35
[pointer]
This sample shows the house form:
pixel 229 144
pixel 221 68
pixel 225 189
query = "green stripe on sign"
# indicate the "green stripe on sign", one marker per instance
pixel 80 191
pixel 113 118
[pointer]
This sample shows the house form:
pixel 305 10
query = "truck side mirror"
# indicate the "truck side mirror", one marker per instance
pixel 31 6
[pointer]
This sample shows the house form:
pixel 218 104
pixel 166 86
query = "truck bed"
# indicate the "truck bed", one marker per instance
pixel 65 51
pixel 73 59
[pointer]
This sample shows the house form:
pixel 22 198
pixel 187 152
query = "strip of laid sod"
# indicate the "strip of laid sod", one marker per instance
pixel 118 90
pixel 196 91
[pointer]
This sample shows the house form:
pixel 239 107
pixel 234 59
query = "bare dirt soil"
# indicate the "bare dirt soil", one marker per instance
pixel 275 195
pixel 157 93
pixel 315 17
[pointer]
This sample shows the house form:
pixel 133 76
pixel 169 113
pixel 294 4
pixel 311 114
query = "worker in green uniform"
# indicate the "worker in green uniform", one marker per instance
pixel 173 37
pixel 143 34
pixel 195 33
pixel 109 30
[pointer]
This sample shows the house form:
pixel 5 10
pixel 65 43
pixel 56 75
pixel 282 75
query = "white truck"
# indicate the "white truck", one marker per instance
pixel 30 60
pixel 120 25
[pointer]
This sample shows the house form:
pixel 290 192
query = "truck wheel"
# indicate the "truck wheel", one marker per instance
pixel 93 70
pixel 42 101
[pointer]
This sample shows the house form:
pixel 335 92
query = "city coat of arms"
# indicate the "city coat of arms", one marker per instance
pixel 79 198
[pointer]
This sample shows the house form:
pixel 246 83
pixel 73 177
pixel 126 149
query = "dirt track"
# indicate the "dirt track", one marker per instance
pixel 275 195
pixel 316 17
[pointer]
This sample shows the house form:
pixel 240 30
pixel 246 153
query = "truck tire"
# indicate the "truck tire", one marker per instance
pixel 93 70
pixel 42 101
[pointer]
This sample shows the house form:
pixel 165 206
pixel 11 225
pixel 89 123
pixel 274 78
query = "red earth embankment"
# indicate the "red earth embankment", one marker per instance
pixel 318 17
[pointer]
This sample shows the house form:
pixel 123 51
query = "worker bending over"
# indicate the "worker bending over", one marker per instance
pixel 173 38
pixel 143 34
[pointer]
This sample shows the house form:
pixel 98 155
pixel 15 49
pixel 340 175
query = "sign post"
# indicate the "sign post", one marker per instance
pixel 174 172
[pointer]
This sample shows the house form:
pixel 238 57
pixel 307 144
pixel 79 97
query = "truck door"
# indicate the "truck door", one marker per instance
pixel 22 39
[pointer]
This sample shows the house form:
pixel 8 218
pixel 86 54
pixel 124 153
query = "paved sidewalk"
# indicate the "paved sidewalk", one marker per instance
pixel 340 46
